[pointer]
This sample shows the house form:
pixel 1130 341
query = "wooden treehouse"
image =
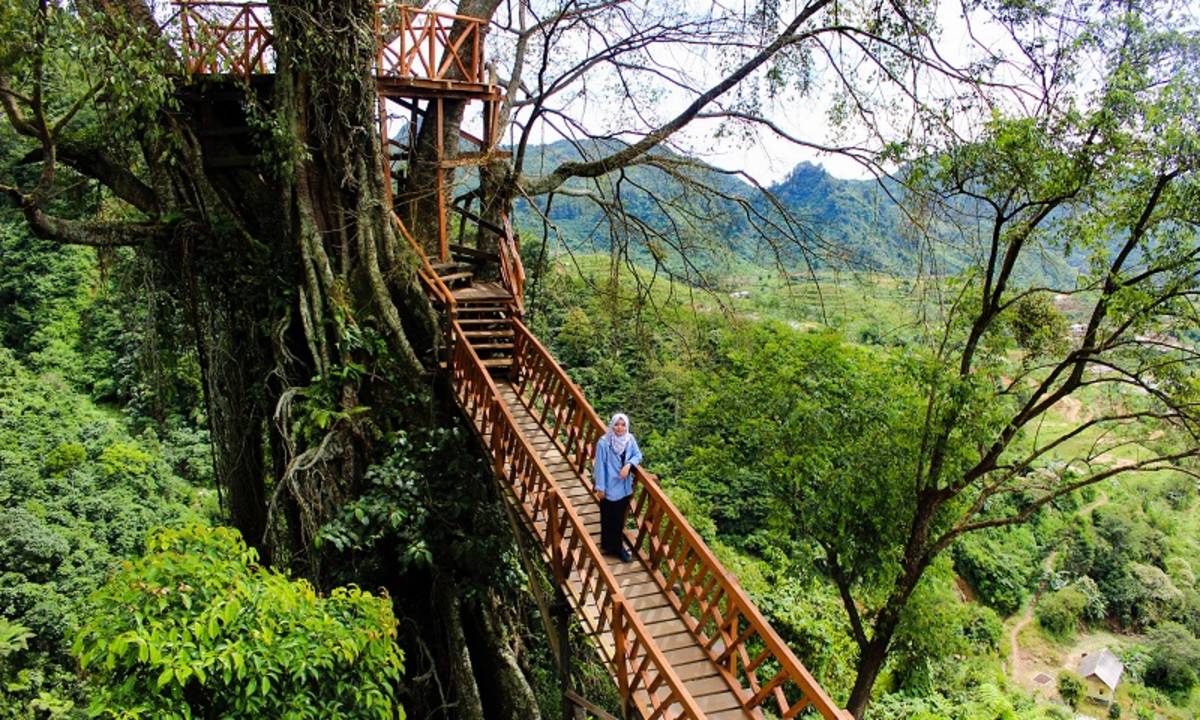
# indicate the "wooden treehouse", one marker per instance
pixel 677 633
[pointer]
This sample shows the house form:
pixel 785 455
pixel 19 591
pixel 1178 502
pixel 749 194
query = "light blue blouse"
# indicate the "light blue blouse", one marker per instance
pixel 607 471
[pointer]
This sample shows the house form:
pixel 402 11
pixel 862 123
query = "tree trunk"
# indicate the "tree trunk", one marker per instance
pixel 515 698
pixel 870 662
pixel 462 671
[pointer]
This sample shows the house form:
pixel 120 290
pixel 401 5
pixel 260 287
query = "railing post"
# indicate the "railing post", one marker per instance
pixel 555 534
pixel 620 660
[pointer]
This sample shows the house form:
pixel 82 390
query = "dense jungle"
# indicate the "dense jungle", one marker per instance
pixel 940 421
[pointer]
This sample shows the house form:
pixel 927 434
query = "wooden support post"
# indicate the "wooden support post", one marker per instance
pixel 562 615
pixel 443 239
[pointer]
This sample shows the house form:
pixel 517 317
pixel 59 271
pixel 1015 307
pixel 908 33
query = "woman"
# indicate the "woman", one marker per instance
pixel 616 453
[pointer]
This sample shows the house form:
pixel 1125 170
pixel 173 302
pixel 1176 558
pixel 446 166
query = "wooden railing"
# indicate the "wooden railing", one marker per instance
pixel 645 679
pixel 225 37
pixel 426 271
pixel 711 602
pixel 512 270
pixel 416 43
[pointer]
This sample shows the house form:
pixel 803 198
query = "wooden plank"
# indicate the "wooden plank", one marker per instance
pixel 670 626
pixel 483 291
pixel 466 275
pixel 733 714
pixel 633 587
pixel 700 671
pixel 668 641
pixel 645 603
pixel 689 653
pixel 717 702
pixel 658 614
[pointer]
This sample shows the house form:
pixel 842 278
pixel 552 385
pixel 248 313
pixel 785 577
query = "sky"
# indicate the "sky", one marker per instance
pixel 763 155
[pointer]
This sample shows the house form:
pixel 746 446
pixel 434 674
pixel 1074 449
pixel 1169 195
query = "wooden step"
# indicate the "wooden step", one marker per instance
pixel 478 311
pixel 487 303
pixel 492 346
pixel 484 321
pixel 497 362
pixel 454 277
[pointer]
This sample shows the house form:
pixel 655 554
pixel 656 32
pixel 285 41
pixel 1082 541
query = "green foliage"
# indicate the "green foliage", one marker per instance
pixel 937 632
pixel 13 637
pixel 77 494
pixel 1114 711
pixel 44 291
pixel 197 628
pixel 806 436
pixel 1038 326
pixel 1059 612
pixel 1001 566
pixel 1070 688
pixel 804 610
pixel 1174 665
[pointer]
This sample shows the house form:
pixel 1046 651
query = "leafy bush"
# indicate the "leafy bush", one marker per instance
pixel 1174 659
pixel 1001 566
pixel 197 629
pixel 1070 687
pixel 1096 607
pixel 1058 613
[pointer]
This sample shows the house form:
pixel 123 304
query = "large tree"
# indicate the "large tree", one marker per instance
pixel 295 212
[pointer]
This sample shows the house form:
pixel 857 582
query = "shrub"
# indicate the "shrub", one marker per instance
pixel 1058 613
pixel 64 458
pixel 1174 658
pixel 1070 688
pixel 197 629
pixel 1001 566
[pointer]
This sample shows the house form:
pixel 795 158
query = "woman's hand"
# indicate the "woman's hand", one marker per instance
pixel 599 494
pixel 625 471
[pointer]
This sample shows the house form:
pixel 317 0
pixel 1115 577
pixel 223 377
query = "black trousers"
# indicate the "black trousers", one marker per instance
pixel 612 523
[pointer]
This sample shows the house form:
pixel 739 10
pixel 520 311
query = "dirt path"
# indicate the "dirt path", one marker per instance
pixel 1016 661
pixel 1017 665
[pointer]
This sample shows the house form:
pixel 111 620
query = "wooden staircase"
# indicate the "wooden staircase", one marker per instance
pixel 680 637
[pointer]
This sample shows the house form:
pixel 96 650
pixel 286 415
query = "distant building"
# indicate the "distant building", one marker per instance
pixel 740 294
pixel 1101 671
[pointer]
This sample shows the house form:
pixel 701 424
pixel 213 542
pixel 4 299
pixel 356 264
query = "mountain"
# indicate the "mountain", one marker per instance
pixel 857 216
pixel 856 222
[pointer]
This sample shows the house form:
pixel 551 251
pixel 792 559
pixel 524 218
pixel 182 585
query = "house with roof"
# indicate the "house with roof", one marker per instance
pixel 1101 671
